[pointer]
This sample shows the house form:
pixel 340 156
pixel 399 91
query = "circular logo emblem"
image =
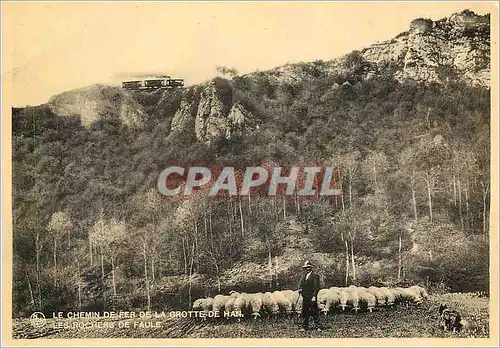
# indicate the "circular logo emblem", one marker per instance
pixel 37 319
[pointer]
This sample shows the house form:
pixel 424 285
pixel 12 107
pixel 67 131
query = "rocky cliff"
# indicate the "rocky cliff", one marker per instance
pixel 209 109
pixel 459 44
pixel 92 102
pixel 456 47
pixel 429 51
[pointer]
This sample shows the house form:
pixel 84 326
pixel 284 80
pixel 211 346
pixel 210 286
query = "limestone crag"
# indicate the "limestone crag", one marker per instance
pixel 430 51
pixel 459 44
pixel 185 116
pixel 91 103
pixel 209 109
pixel 214 106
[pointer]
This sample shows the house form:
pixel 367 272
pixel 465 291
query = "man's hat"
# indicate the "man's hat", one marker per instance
pixel 307 264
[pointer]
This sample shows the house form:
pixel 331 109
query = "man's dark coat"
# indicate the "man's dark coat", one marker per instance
pixel 309 287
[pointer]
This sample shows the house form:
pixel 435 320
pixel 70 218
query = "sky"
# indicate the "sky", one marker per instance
pixel 51 47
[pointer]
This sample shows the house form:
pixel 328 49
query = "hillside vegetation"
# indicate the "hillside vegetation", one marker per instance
pixel 91 232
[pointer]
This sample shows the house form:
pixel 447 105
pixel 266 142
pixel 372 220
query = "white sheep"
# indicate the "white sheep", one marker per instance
pixel 344 298
pixel 197 305
pixel 270 305
pixel 420 290
pixel 229 304
pixel 353 297
pixel 241 303
pixel 207 304
pixel 390 298
pixel 322 297
pixel 229 307
pixel 294 299
pixel 335 289
pixel 285 304
pixel 411 296
pixel 327 300
pixel 379 295
pixel 204 305
pixel 367 299
pixel 218 304
pixel 255 304
pixel 398 294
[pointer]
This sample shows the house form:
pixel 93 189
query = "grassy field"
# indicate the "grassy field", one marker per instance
pixel 421 321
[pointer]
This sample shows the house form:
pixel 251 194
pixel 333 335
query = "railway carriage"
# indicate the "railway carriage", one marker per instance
pixel 163 82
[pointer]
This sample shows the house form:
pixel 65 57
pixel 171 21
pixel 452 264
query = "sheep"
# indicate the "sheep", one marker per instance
pixel 354 297
pixel 241 305
pixel 335 289
pixel 322 298
pixel 270 304
pixel 344 299
pixel 197 305
pixel 294 299
pixel 367 299
pixel 229 306
pixel 327 300
pixel 255 304
pixel 398 294
pixel 290 295
pixel 379 295
pixel 203 305
pixel 411 296
pixel 218 304
pixel 390 298
pixel 420 290
pixel 207 304
pixel 241 302
pixel 229 303
pixel 285 304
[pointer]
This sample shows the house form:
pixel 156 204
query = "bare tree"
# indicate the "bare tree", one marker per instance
pixel 227 72
pixel 59 225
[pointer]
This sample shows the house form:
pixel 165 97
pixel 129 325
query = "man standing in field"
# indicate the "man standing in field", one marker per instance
pixel 309 287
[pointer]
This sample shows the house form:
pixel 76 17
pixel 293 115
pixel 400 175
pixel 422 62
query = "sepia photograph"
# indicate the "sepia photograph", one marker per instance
pixel 249 173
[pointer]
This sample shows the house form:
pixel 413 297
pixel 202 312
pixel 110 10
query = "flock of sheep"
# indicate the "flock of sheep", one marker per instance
pixel 289 302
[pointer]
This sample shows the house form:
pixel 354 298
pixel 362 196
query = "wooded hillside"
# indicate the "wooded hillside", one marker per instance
pixel 91 232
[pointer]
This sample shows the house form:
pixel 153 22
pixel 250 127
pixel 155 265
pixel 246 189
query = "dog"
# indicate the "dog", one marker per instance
pixel 451 320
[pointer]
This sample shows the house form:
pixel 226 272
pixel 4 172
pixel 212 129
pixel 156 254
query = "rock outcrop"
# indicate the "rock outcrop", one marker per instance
pixel 94 102
pixel 209 110
pixel 186 114
pixel 428 52
pixel 214 106
pixel 459 44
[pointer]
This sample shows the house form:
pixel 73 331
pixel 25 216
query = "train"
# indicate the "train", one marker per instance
pixel 163 82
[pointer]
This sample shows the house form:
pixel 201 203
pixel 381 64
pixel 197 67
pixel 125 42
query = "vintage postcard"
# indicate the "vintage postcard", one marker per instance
pixel 249 173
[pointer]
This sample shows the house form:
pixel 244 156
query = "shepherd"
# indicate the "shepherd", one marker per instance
pixel 309 287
